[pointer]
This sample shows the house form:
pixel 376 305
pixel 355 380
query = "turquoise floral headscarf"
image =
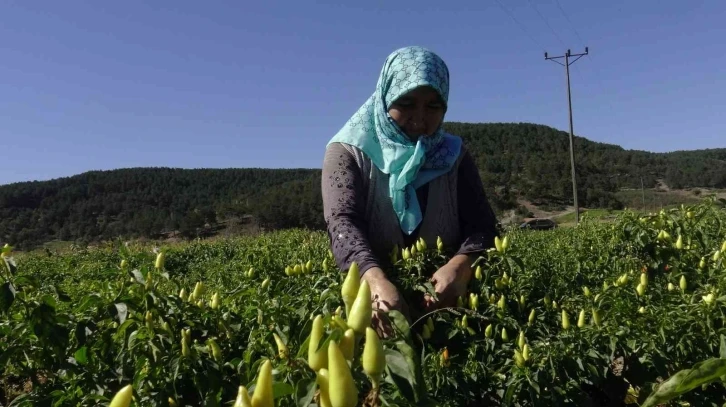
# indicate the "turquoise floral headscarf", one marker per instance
pixel 409 164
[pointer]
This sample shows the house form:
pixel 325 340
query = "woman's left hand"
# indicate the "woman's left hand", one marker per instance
pixel 450 282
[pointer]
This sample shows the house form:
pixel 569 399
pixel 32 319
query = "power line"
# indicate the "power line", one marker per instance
pixel 570 22
pixel 548 24
pixel 573 29
pixel 518 23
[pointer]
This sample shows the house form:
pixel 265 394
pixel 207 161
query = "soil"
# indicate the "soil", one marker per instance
pixel 510 217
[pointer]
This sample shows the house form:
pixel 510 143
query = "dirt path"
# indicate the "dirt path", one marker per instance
pixel 509 217
pixel 662 186
pixel 537 212
pixel 540 213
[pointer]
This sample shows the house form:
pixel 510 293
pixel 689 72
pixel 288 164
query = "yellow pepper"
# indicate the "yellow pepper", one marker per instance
pixel 374 360
pixel 123 397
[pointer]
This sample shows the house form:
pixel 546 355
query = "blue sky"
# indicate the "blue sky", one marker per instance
pixel 89 85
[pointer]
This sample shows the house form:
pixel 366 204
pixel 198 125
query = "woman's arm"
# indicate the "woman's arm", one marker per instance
pixel 344 208
pixel 477 221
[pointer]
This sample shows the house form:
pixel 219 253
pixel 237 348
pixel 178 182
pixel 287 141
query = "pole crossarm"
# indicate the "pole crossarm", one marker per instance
pixel 568 54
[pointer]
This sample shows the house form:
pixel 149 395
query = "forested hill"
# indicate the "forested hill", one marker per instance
pixel 516 160
pixel 535 160
pixel 137 202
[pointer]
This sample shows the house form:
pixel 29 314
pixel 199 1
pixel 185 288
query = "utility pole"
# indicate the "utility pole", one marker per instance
pixel 567 64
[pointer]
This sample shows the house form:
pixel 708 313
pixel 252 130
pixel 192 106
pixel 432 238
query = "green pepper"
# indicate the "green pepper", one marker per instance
pixel 565 320
pixel 426 332
pixel 596 317
pixel 373 358
pixel 351 284
pixel 214 350
pixel 498 244
pixel 160 259
pixel 518 358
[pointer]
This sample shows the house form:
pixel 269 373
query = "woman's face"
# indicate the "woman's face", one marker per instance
pixel 418 112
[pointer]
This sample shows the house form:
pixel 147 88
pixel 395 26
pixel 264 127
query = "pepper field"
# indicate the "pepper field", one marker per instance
pixel 598 315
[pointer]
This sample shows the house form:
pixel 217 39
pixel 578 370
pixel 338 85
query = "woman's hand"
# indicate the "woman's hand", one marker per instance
pixel 385 297
pixel 450 282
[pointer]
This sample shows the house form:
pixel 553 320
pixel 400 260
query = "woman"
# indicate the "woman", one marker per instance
pixel 392 175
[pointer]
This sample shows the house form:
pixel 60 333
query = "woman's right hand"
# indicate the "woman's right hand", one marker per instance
pixel 385 297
